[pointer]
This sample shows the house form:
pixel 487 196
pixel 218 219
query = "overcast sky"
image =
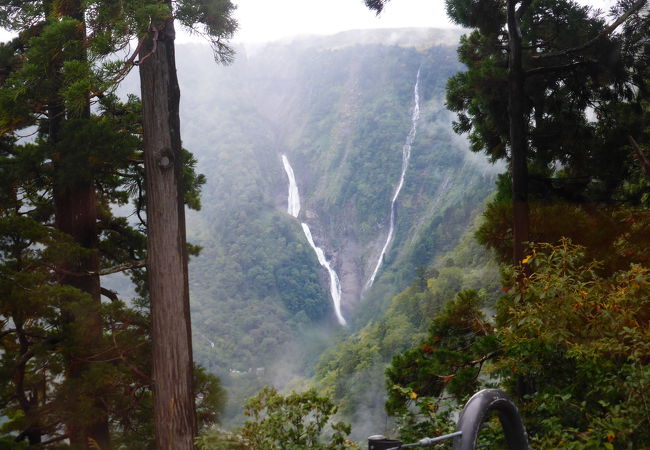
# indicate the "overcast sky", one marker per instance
pixel 269 20
pixel 262 20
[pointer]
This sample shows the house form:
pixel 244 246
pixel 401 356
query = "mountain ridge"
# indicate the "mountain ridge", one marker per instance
pixel 419 37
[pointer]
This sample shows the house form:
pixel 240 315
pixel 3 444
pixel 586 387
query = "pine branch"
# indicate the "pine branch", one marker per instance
pixel 110 270
pixel 120 268
pixel 111 295
pixel 7 332
pixel 156 33
pixel 128 65
pixel 140 203
pixel 606 32
pixel 579 179
pixel 547 69
pixel 483 358
pixel 54 439
pixel 136 371
pixel 645 162
pixel 30 353
pixel 376 5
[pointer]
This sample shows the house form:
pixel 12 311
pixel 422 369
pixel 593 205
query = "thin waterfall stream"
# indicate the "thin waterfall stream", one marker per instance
pixel 293 208
pixel 406 156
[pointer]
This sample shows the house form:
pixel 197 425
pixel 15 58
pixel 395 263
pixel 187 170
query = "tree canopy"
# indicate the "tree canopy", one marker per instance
pixel 76 355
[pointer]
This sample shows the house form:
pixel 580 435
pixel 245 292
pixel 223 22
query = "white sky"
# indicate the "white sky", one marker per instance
pixel 269 20
pixel 266 20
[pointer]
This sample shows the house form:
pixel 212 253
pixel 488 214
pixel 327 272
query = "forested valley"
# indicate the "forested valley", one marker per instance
pixel 340 112
pixel 380 223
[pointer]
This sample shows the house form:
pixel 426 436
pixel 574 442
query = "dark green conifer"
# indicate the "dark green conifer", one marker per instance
pixel 77 357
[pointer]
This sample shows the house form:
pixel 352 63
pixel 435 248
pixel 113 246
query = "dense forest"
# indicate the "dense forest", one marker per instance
pixel 481 196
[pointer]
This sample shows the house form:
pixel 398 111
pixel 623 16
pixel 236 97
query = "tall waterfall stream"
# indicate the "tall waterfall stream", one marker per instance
pixel 293 209
pixel 406 156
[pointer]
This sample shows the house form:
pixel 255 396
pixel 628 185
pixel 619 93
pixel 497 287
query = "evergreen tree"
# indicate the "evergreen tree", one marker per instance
pixel 45 337
pixel 78 366
pixel 571 62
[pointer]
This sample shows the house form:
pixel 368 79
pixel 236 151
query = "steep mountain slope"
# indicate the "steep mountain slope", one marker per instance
pixel 352 372
pixel 341 109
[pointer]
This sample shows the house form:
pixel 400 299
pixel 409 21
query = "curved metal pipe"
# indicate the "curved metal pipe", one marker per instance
pixel 475 413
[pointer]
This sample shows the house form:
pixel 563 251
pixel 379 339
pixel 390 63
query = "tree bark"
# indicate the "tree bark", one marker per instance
pixel 33 431
pixel 174 414
pixel 518 145
pixel 75 213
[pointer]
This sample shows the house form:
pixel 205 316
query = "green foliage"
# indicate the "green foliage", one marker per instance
pixel 450 358
pixel 575 350
pixel 192 182
pixel 262 278
pixel 617 236
pixel 73 360
pixel 352 372
pixel 445 366
pixel 295 421
pixel 428 416
pixel 570 345
pixel 210 398
pixel 211 19
pixel 576 151
pixel 636 187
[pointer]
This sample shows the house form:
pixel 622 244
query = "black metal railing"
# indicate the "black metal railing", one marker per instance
pixel 474 414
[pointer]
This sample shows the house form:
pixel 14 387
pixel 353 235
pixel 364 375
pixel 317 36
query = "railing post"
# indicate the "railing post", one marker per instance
pixel 475 413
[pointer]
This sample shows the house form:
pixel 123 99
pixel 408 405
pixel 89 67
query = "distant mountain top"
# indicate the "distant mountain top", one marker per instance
pixel 402 37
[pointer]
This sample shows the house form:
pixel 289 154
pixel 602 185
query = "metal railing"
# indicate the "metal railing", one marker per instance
pixel 474 414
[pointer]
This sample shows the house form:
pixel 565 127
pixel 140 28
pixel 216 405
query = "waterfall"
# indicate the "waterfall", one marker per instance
pixel 293 208
pixel 335 284
pixel 406 156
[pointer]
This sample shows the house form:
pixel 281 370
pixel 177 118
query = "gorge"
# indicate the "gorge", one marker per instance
pixel 343 111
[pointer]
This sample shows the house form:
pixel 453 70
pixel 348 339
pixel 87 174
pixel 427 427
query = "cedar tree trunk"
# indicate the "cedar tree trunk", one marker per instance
pixel 75 213
pixel 174 415
pixel 517 136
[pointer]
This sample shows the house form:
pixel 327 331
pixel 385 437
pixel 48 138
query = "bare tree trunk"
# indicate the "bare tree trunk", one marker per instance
pixel 518 145
pixel 174 415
